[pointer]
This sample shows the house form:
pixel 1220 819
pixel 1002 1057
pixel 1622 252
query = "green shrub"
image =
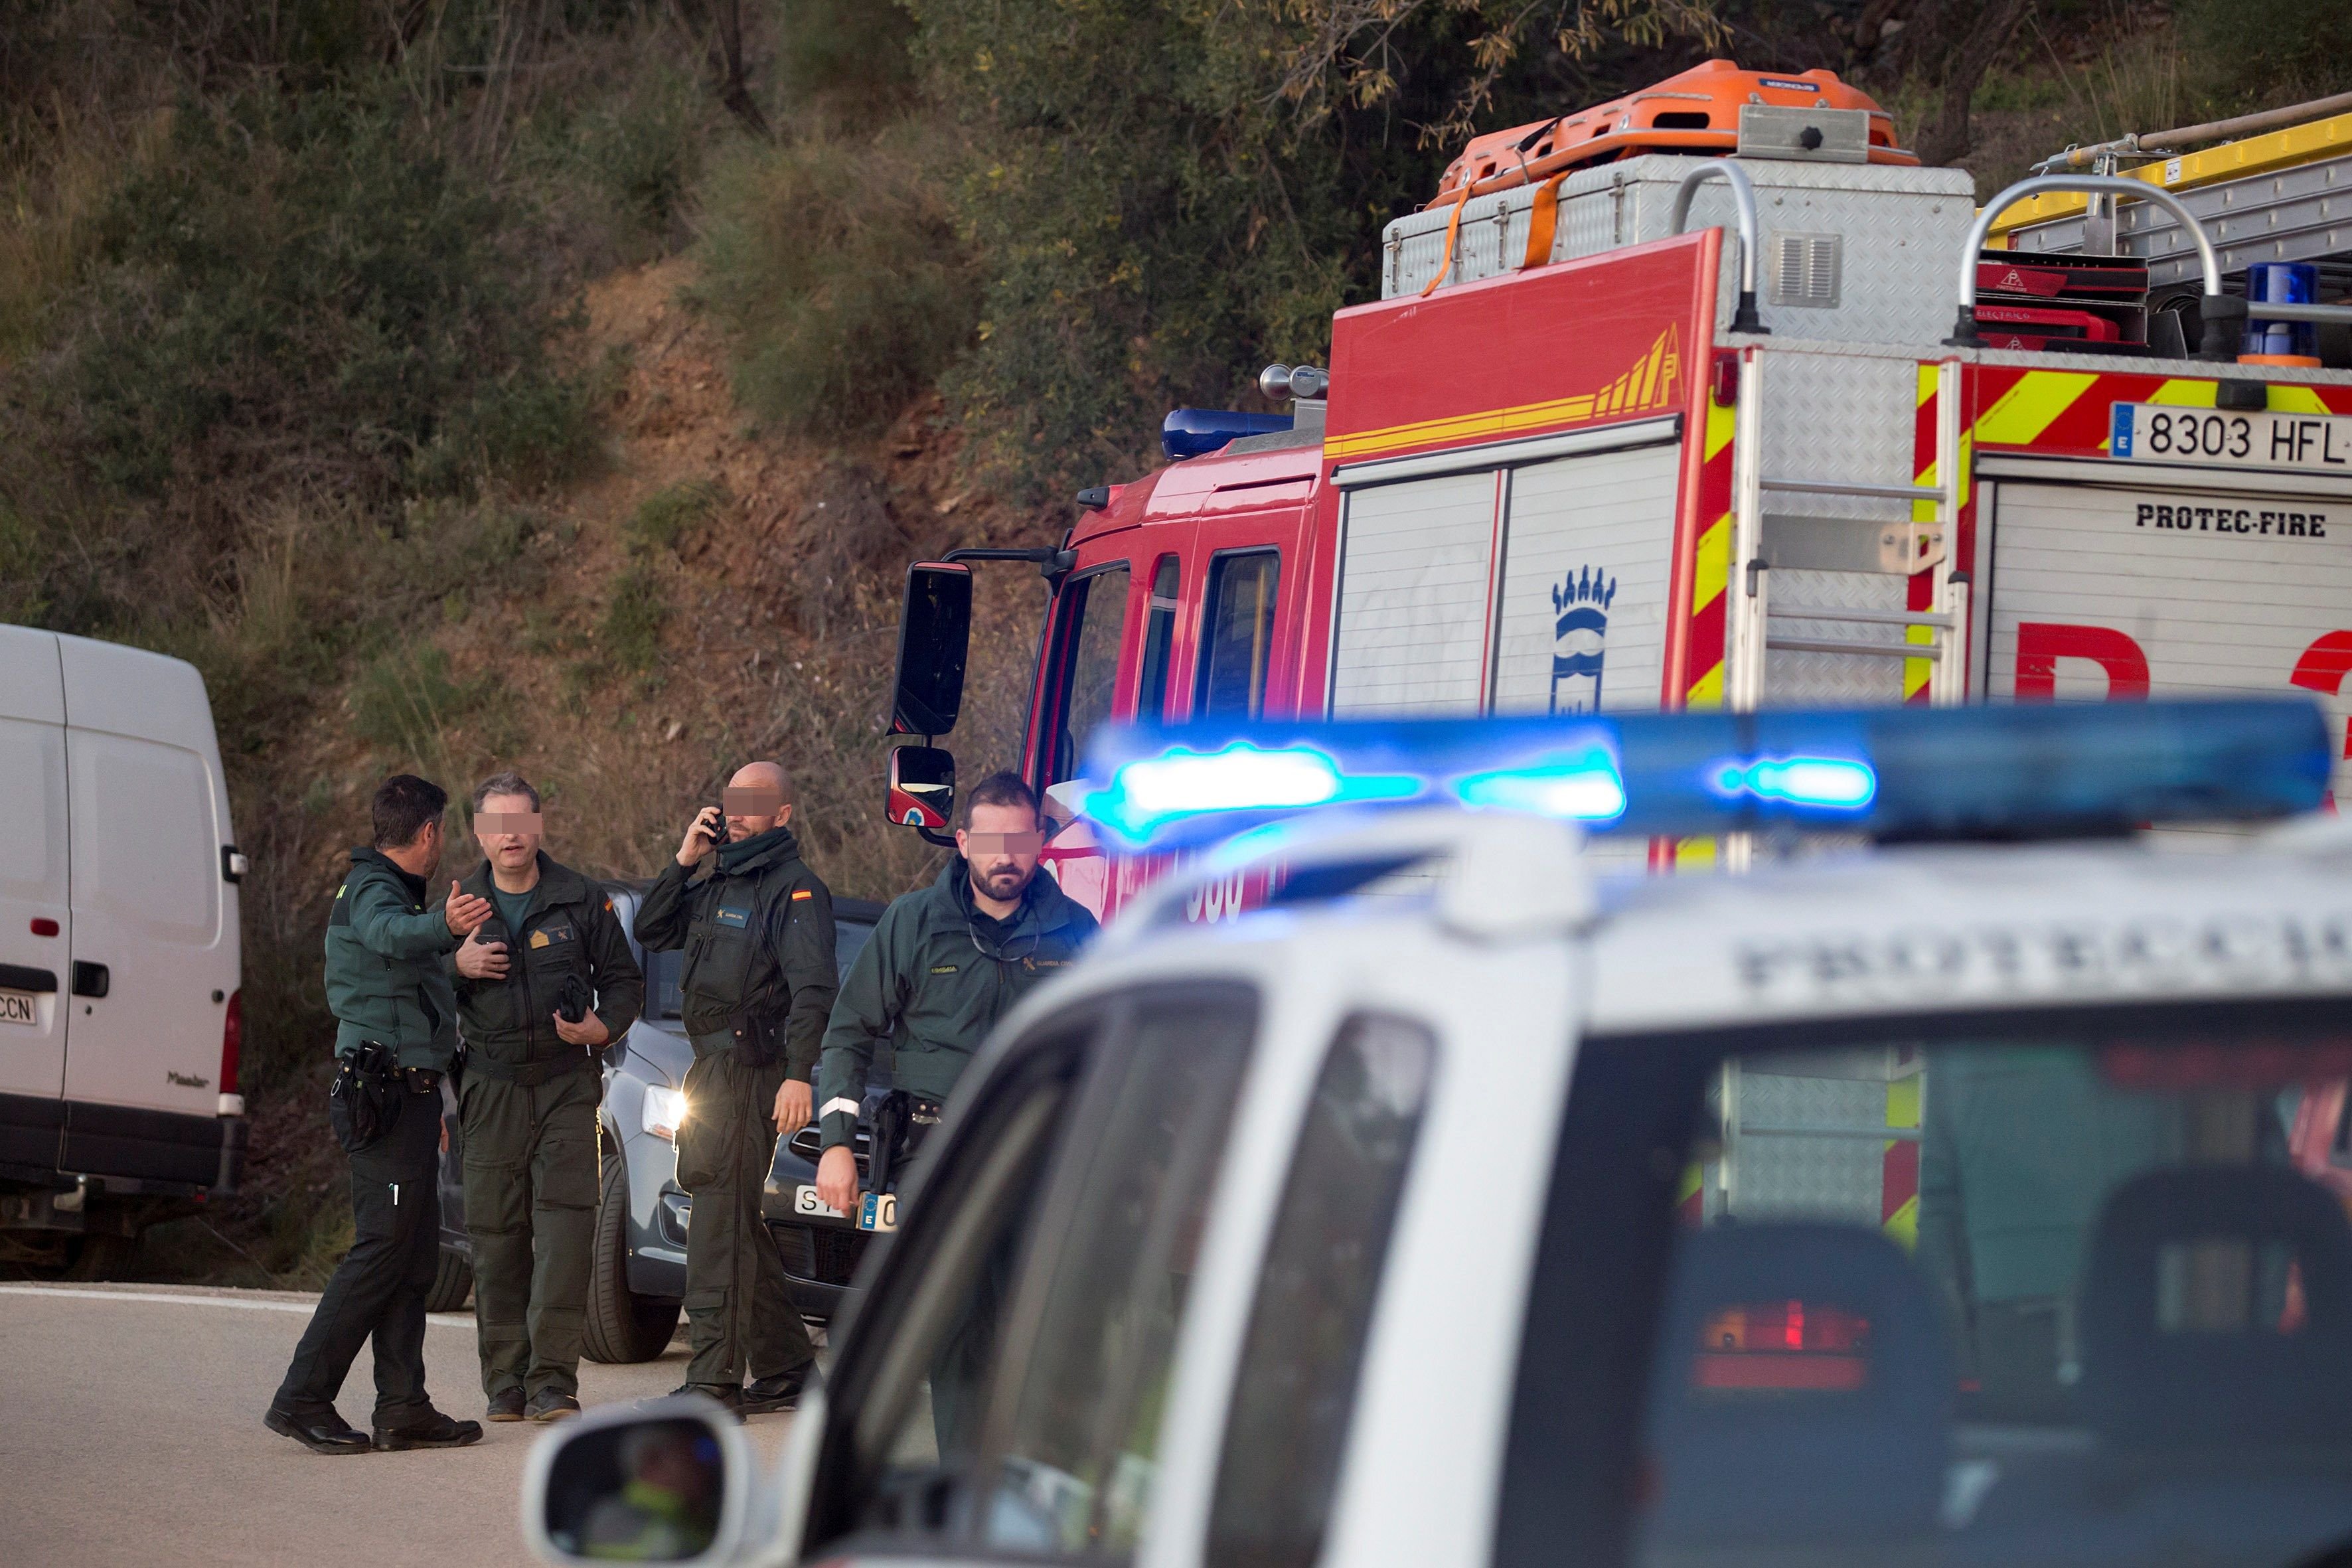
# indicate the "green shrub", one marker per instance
pixel 661 520
pixel 634 617
pixel 309 284
pixel 631 154
pixel 405 701
pixel 833 271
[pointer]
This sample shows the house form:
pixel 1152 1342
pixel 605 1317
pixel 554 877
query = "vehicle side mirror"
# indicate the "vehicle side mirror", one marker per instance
pixel 667 1480
pixel 922 787
pixel 934 639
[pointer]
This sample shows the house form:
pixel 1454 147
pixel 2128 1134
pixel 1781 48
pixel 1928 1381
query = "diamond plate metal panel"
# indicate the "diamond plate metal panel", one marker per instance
pixel 1832 1169
pixel 1903 231
pixel 1838 415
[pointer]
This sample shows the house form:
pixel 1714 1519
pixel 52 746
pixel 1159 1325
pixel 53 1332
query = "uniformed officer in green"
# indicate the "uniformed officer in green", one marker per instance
pixel 543 985
pixel 945 962
pixel 756 981
pixel 387 942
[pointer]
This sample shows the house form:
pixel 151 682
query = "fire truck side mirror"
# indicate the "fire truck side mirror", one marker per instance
pixel 934 638
pixel 922 787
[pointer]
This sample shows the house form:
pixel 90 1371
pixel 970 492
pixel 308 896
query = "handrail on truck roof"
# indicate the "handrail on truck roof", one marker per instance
pixel 1743 195
pixel 2222 316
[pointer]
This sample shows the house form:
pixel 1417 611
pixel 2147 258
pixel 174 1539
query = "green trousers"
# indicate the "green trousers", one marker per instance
pixel 530 1211
pixel 739 1317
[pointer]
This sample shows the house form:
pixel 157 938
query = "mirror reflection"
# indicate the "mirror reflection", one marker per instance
pixel 647 1491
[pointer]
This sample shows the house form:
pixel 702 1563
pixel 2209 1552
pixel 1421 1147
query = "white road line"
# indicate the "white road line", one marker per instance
pixel 445 1320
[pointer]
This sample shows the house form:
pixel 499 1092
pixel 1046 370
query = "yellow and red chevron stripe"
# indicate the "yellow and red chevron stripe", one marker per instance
pixel 1652 383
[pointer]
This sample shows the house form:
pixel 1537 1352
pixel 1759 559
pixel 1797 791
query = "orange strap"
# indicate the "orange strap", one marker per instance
pixel 1453 229
pixel 1543 220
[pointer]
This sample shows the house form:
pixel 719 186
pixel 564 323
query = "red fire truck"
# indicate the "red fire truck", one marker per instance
pixel 1794 423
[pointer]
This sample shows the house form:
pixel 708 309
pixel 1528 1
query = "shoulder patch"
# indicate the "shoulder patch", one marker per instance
pixel 803 893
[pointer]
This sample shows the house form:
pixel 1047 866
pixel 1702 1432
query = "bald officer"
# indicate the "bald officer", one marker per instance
pixel 757 983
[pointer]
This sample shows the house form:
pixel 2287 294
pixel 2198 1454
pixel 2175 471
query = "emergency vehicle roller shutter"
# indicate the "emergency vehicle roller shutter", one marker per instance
pixel 1585 556
pixel 1568 616
pixel 2123 593
pixel 1410 635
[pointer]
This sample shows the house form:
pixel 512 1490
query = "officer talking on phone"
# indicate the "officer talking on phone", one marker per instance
pixel 757 983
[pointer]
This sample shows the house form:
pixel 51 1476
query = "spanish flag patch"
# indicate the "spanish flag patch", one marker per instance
pixel 803 893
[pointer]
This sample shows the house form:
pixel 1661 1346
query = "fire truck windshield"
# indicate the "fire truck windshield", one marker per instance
pixel 2032 1291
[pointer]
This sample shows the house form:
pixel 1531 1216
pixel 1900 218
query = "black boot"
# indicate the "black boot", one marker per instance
pixel 781 1392
pixel 434 1431
pixel 730 1397
pixel 550 1405
pixel 327 1433
pixel 505 1404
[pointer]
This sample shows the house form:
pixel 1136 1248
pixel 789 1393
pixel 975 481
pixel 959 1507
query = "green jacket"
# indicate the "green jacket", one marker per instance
pixel 924 983
pixel 385 978
pixel 757 928
pixel 569 929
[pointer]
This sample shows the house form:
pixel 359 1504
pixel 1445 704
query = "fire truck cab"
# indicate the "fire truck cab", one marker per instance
pixel 1798 423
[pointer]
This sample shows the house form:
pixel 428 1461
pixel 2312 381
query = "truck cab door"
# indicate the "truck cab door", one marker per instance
pixel 36 922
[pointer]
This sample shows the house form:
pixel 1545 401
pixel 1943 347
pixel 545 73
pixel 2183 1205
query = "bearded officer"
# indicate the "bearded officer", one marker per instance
pixel 542 987
pixel 945 962
pixel 757 983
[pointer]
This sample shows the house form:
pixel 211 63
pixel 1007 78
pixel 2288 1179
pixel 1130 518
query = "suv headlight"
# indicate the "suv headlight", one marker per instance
pixel 664 1111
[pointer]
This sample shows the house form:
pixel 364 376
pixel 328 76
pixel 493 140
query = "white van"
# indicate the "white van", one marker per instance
pixel 119 1005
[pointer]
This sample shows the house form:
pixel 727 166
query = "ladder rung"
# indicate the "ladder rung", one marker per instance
pixel 1853 488
pixel 1862 617
pixel 1875 649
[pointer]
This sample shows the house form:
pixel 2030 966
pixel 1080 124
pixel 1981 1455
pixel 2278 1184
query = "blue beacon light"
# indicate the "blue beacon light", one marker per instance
pixel 1827 784
pixel 1182 784
pixel 1894 774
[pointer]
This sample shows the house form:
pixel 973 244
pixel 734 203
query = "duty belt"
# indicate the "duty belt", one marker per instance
pixel 530 1075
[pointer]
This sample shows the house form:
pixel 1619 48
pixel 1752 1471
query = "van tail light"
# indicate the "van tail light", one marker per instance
pixel 232 1047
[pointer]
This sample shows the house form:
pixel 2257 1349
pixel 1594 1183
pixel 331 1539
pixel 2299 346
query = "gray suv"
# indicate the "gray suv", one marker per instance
pixel 639 1279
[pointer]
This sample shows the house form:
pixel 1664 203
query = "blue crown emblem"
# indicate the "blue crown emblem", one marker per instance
pixel 1587 587
pixel 1580 636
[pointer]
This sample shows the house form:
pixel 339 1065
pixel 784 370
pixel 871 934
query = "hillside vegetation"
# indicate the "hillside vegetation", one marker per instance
pixel 565 386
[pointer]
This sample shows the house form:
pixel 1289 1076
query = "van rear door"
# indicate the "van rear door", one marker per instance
pixel 154 931
pixel 34 918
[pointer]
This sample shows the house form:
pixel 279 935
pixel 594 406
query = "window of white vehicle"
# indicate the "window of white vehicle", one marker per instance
pixel 2047 1288
pixel 1305 1343
pixel 1073 1451
pixel 907 1393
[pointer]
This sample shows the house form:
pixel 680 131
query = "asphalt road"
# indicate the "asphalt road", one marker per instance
pixel 130 1433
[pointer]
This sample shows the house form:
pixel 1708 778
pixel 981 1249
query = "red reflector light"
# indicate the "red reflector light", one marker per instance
pixel 44 926
pixel 232 1041
pixel 1771 1370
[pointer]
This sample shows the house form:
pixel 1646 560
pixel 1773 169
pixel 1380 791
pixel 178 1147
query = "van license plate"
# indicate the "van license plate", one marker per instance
pixel 876 1211
pixel 17 1007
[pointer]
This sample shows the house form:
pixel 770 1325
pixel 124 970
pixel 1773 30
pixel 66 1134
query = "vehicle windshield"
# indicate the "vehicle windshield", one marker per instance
pixel 2045 1295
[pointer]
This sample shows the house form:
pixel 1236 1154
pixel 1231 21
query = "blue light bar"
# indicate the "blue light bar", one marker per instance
pixel 1197 432
pixel 2031 772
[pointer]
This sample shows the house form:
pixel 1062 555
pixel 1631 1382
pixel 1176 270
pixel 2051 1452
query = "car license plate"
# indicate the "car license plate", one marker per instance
pixel 876 1211
pixel 18 1007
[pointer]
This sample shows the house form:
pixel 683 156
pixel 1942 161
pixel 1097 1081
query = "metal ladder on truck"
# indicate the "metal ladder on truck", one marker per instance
pixel 1922 540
